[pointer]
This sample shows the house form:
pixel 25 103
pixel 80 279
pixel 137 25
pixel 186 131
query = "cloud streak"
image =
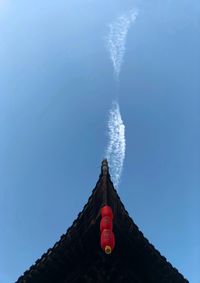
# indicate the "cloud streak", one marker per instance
pixel 116 39
pixel 116 44
pixel 117 144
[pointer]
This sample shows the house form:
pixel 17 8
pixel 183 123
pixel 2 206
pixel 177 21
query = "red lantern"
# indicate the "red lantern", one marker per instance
pixel 107 211
pixel 107 241
pixel 106 223
pixel 106 226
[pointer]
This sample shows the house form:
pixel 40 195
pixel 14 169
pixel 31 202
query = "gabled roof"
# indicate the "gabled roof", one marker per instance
pixel 77 256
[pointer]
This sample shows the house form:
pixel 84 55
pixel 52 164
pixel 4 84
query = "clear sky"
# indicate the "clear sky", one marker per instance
pixel 56 88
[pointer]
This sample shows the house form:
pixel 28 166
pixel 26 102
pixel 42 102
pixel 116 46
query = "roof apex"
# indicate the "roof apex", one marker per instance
pixel 104 167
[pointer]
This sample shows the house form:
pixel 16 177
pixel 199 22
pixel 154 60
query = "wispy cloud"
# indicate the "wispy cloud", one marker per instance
pixel 117 144
pixel 116 44
pixel 116 39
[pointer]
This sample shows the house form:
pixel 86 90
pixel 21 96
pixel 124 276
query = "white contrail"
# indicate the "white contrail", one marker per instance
pixel 117 144
pixel 116 39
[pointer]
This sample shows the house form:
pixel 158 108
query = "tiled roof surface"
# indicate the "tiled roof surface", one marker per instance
pixel 64 259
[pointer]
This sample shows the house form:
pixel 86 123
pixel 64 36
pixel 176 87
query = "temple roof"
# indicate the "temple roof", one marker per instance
pixel 78 257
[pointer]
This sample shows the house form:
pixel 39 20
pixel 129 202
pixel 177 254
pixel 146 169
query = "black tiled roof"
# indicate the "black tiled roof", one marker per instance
pixel 77 256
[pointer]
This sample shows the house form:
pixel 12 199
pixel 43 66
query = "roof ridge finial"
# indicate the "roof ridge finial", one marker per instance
pixel 104 167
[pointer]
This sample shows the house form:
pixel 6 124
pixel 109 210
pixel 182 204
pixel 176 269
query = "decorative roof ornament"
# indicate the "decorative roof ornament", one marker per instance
pixel 104 167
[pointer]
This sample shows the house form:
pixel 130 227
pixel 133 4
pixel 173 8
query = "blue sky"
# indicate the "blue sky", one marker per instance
pixel 56 88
